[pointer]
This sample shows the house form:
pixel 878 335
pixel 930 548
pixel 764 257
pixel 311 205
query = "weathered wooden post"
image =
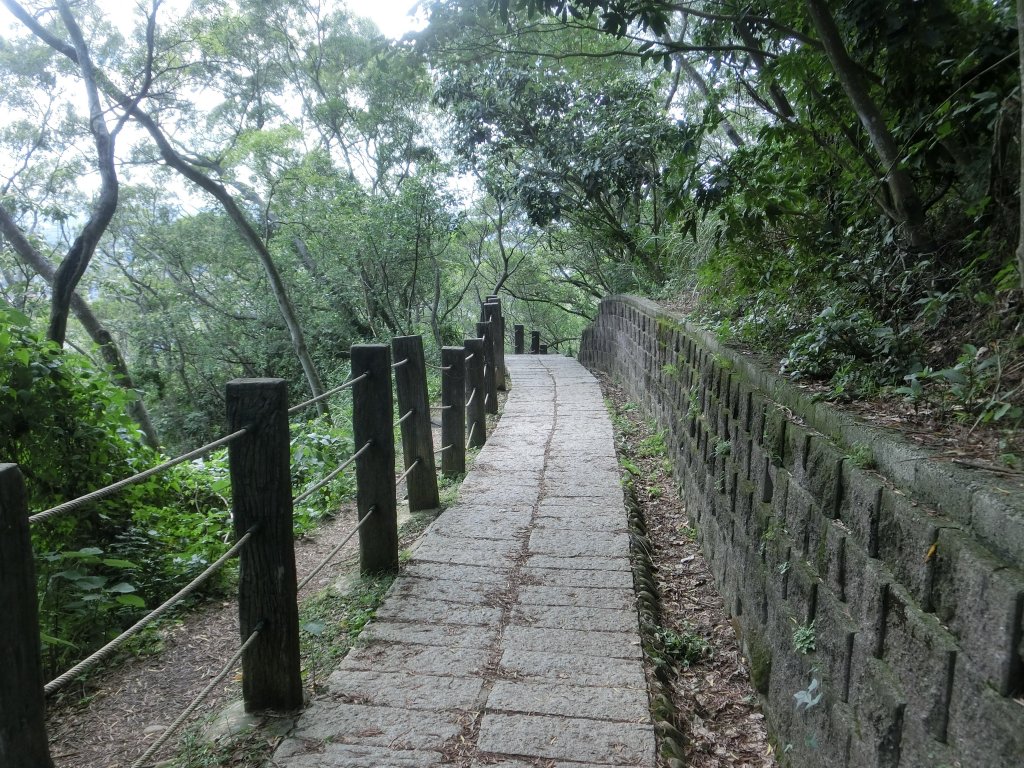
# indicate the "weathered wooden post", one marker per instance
pixel 543 349
pixel 23 742
pixel 476 416
pixel 484 330
pixel 493 309
pixel 519 332
pixel 261 491
pixel 417 438
pixel 453 415
pixel 534 342
pixel 375 470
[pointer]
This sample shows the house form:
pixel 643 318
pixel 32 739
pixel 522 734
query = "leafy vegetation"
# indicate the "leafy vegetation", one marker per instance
pixel 243 189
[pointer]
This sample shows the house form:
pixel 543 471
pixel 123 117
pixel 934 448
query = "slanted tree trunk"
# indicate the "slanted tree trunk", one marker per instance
pixel 108 347
pixel 905 198
pixel 1020 46
pixel 74 264
pixel 177 161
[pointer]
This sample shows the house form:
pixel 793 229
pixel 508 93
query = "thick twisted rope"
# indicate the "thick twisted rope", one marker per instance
pixel 335 551
pixel 141 761
pixel 113 488
pixel 107 650
pixel 405 474
pixel 310 491
pixel 325 395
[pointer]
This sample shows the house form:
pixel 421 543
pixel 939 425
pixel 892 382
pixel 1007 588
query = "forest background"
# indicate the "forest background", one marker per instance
pixel 211 189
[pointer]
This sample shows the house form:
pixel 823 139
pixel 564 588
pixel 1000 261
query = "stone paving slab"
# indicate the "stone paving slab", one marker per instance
pixel 578 597
pixel 567 738
pixel 621 645
pixel 481 574
pixel 568 543
pixel 571 577
pixel 582 562
pixel 574 668
pixel 531 697
pixel 422 659
pixel 471 593
pixel 355 756
pixel 462 550
pixel 572 617
pixel 401 689
pixel 446 635
pixel 402 608
pixel 378 726
pixel 510 639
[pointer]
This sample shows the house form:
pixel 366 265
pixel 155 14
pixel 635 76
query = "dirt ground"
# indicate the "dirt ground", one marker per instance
pixel 716 705
pixel 114 715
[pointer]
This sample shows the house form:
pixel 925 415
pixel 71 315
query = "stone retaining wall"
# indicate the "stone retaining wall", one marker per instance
pixel 907 576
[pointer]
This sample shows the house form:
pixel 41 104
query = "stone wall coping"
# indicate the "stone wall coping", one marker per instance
pixel 991 509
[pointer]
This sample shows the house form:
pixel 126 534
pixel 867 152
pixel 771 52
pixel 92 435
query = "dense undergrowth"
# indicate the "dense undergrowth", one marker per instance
pixel 99 567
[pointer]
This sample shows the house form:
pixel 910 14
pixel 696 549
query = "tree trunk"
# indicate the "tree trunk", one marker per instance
pixel 701 85
pixel 1020 191
pixel 176 161
pixel 92 325
pixel 906 200
pixel 251 237
pixel 74 264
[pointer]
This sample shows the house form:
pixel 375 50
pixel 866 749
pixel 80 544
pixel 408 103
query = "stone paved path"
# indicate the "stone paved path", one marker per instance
pixel 511 638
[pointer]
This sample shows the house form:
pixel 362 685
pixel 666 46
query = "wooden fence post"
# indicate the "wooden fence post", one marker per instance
pixel 261 491
pixel 543 349
pixel 417 438
pixel 23 742
pixel 497 321
pixel 375 470
pixel 534 342
pixel 453 415
pixel 519 331
pixel 484 331
pixel 476 418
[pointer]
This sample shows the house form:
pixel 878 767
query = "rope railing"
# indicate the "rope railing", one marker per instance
pixel 333 553
pixel 405 474
pixel 333 474
pixel 262 492
pixel 472 429
pixel 143 759
pixel 113 488
pixel 329 393
pixel 107 650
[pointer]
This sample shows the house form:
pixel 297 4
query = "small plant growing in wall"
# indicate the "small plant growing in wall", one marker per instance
pixel 804 638
pixel 862 456
pixel 723 448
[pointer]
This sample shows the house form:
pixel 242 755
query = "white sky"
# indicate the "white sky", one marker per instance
pixel 391 16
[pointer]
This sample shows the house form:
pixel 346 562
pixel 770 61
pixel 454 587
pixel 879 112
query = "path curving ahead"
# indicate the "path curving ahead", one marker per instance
pixel 511 637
